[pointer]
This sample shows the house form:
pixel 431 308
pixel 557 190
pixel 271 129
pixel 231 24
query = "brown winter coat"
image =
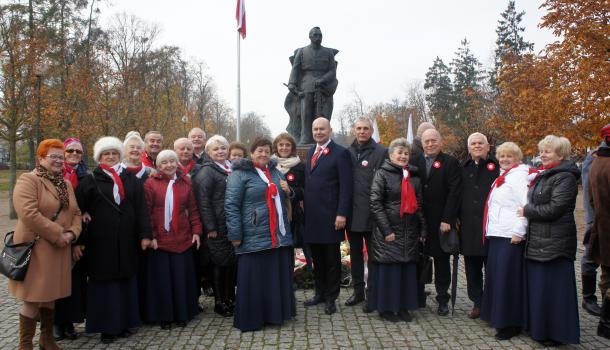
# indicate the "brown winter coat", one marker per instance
pixel 36 201
pixel 599 197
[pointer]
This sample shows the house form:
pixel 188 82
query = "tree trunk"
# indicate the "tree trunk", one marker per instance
pixel 12 144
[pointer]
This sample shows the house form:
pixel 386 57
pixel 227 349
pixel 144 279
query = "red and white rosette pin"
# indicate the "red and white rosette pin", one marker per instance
pixel 365 163
pixel 491 166
pixel 290 177
pixel 325 152
pixel 436 164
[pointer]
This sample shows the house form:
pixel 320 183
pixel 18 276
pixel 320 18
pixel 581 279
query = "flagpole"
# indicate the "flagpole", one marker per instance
pixel 238 136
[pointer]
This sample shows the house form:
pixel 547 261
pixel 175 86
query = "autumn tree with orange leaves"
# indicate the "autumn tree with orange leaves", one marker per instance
pixel 565 90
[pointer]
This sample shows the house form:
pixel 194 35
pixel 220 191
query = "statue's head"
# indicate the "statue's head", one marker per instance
pixel 315 35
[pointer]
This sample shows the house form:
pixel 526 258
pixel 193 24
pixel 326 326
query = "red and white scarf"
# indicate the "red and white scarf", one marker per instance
pixel 274 205
pixel 118 192
pixel 226 166
pixel 408 201
pixel 171 212
pixel 534 174
pixel 138 171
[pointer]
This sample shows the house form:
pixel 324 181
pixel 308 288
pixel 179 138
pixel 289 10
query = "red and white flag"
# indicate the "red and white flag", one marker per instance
pixel 240 16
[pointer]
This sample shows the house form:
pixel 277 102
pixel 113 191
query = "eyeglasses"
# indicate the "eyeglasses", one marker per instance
pixel 56 157
pixel 77 151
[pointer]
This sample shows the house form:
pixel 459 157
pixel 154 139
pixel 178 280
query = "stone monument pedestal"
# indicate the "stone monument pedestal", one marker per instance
pixel 302 151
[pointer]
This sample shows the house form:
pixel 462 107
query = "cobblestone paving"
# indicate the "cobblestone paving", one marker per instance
pixel 349 328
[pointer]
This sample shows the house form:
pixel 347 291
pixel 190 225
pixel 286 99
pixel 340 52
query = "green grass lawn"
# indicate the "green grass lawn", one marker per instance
pixel 4 174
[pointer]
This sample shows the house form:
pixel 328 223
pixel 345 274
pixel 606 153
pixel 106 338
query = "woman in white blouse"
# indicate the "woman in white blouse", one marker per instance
pixel 504 232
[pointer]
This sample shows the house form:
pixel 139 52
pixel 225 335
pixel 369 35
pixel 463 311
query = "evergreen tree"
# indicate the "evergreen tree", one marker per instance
pixel 440 94
pixel 466 70
pixel 510 40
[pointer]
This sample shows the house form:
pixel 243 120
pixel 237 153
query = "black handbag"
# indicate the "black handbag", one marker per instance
pixel 15 258
pixel 424 267
pixel 450 242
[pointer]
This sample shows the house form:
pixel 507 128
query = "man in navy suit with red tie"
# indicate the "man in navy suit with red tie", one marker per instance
pixel 328 202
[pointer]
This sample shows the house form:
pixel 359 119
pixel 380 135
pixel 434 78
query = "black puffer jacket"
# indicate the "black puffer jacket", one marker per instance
pixel 551 200
pixel 385 209
pixel 209 184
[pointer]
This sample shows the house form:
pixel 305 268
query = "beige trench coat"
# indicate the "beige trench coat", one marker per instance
pixel 49 274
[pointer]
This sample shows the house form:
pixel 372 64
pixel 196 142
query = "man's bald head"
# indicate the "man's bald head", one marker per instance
pixel 432 142
pixel 423 127
pixel 321 130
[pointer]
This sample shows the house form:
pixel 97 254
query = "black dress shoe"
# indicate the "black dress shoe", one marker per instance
pixel 365 307
pixel 389 316
pixel 443 309
pixel 405 315
pixel 355 299
pixel 125 333
pixel 591 307
pixel 330 308
pixel 107 338
pixel 223 310
pixel 317 299
pixel 165 325
pixel 70 332
pixel 507 333
pixel 59 332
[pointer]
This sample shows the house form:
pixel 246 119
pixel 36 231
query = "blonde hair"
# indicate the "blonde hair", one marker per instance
pixel 560 145
pixel 216 139
pixel 509 147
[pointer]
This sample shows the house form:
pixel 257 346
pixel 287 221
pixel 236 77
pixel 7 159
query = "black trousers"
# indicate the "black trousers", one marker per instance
pixel 474 266
pixel 326 270
pixel 357 257
pixel 442 277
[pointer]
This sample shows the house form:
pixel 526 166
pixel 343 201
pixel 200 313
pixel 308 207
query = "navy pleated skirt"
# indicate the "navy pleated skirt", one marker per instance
pixel 393 287
pixel 112 306
pixel 264 289
pixel 72 309
pixel 171 287
pixel 503 303
pixel 552 307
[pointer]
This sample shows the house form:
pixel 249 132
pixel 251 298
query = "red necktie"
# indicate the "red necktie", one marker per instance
pixel 314 159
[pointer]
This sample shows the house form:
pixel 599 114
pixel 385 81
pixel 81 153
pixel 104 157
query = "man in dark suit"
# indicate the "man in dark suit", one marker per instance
pixel 367 157
pixel 328 197
pixel 478 173
pixel 441 193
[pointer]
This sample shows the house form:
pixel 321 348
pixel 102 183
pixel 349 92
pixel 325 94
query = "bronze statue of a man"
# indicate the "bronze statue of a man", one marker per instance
pixel 312 83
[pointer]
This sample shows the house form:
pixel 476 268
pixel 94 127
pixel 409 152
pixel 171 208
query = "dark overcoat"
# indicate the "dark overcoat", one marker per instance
pixel 328 194
pixel 210 184
pixel 551 199
pixel 366 159
pixel 599 197
pixel 112 238
pixel 296 181
pixel 476 183
pixel 442 194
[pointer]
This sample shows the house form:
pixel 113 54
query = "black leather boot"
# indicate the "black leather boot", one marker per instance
pixel 589 300
pixel 603 329
pixel 356 298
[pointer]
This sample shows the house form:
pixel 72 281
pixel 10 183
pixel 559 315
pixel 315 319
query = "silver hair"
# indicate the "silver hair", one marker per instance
pixel 166 154
pixel 182 139
pixel 476 134
pixel 400 142
pixel 216 139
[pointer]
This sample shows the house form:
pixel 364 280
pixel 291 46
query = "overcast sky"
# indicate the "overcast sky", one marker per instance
pixel 384 45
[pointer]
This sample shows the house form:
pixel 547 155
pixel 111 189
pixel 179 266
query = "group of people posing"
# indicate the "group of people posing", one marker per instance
pixel 137 239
